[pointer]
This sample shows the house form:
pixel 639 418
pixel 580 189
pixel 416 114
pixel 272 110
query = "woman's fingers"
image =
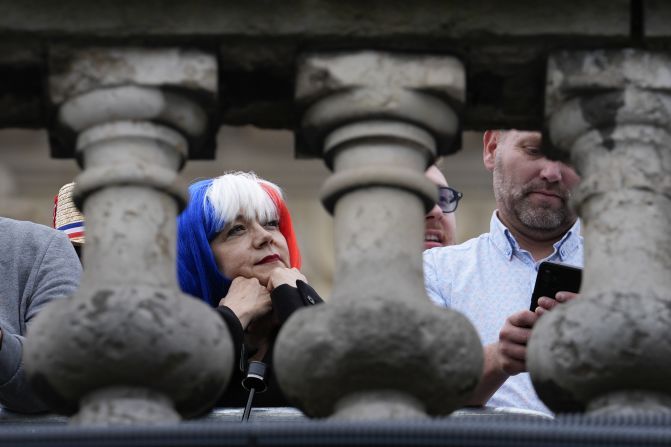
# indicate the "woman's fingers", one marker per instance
pixel 283 275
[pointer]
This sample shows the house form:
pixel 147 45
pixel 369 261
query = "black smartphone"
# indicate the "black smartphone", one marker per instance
pixel 554 277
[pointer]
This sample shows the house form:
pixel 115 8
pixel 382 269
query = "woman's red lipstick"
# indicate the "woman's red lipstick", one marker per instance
pixel 267 259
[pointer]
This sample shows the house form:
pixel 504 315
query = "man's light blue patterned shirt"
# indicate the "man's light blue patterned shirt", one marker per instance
pixel 488 279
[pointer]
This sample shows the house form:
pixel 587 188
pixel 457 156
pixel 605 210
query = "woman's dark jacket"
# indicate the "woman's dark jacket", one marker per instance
pixel 286 300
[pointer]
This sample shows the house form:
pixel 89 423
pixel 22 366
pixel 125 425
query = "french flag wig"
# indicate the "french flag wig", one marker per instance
pixel 212 204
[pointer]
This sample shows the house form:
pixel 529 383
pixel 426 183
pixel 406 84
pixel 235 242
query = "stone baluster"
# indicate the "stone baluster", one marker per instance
pixel 130 347
pixel 379 349
pixel 609 352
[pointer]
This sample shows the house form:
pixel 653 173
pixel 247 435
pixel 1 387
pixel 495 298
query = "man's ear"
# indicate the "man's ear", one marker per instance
pixel 490 142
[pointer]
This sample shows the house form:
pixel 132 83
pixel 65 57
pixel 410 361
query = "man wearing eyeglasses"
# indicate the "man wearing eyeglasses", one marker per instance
pixel 440 223
pixel 490 278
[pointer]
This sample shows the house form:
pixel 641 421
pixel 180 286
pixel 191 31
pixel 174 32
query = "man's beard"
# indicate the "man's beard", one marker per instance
pixel 536 217
pixel 541 217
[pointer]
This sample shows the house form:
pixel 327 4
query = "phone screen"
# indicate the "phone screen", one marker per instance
pixel 554 277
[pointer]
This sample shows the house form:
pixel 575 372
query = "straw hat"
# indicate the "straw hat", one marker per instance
pixel 67 217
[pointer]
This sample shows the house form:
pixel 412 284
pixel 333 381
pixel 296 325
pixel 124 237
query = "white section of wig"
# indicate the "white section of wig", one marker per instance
pixel 240 194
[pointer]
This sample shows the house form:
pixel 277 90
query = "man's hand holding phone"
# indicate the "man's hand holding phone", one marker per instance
pixel 507 356
pixel 511 349
pixel 555 284
pixel 545 303
pixel 555 281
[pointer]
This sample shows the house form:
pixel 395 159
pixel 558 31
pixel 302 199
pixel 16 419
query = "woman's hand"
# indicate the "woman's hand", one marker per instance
pixel 248 300
pixel 283 275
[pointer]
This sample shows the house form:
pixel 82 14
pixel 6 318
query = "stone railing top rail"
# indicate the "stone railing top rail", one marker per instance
pixel 504 48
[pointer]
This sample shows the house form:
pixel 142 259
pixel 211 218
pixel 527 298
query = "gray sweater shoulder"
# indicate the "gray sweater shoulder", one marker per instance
pixel 37 265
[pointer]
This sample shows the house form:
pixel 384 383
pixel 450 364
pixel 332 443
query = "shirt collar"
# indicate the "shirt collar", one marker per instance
pixel 570 242
pixel 503 239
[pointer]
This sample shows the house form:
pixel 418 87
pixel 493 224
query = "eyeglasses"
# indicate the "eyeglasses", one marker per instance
pixel 448 199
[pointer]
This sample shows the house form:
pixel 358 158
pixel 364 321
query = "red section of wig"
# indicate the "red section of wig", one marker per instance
pixel 286 227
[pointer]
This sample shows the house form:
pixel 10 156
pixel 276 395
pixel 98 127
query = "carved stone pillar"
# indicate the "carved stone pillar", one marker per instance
pixel 379 349
pixel 129 347
pixel 609 352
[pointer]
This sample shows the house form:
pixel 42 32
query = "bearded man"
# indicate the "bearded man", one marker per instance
pixel 490 278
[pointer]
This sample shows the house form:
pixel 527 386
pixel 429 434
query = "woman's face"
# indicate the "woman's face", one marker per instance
pixel 250 249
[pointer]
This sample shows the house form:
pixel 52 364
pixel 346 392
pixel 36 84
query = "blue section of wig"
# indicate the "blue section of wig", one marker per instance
pixel 197 269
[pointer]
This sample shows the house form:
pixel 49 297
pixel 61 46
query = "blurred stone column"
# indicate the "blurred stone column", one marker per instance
pixel 609 352
pixel 379 349
pixel 129 347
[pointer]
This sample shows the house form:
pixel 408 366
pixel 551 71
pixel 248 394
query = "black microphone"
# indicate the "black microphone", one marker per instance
pixel 254 382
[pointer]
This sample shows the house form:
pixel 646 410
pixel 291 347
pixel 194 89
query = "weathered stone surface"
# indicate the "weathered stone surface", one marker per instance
pixel 588 75
pixel 372 342
pixel 655 17
pixel 505 48
pixel 323 75
pixel 129 325
pixel 368 18
pixel 77 71
pixel 380 349
pixel 610 111
pixel 373 405
pixel 129 347
pixel 425 91
pixel 126 406
pixel 631 404
pixel 172 86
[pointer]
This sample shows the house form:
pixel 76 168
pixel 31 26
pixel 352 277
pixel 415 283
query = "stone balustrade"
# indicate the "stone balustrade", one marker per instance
pixel 380 349
pixel 608 352
pixel 130 347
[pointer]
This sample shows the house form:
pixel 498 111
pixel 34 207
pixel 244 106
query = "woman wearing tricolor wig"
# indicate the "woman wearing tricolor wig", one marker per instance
pixel 236 250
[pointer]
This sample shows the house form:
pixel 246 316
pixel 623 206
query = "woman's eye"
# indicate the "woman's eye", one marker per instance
pixel 235 230
pixel 273 224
